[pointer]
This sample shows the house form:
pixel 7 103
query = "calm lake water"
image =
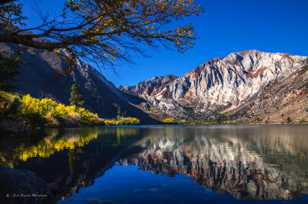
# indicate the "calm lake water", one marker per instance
pixel 165 164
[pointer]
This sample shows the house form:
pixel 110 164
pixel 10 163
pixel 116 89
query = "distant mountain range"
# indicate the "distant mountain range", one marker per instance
pixel 249 85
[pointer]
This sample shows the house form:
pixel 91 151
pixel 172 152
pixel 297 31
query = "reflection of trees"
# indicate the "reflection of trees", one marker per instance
pixel 121 133
pixel 244 162
pixel 247 163
pixel 49 145
pixel 73 158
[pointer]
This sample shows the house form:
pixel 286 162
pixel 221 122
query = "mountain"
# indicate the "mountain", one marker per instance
pixel 248 85
pixel 46 74
pixel 149 87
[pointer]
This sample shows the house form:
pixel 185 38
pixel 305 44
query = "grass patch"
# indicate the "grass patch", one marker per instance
pixel 122 121
pixel 303 121
pixel 170 120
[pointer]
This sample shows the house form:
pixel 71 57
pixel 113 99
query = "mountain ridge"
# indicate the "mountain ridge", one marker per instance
pixel 222 85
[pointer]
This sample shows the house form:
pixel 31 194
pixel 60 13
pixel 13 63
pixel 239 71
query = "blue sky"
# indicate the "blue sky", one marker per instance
pixel 225 26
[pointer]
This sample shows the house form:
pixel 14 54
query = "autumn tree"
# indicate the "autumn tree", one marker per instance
pixel 76 97
pixel 101 30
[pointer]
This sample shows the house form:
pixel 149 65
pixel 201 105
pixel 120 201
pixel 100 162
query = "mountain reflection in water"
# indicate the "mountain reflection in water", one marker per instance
pixel 263 164
pixel 246 162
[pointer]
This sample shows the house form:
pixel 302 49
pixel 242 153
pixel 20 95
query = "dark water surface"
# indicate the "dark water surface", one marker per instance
pixel 163 164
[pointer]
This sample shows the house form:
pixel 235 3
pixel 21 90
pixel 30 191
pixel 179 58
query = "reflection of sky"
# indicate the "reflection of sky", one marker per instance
pixel 129 185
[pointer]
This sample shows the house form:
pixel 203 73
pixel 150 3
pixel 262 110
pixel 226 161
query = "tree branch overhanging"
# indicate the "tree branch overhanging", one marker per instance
pixel 102 30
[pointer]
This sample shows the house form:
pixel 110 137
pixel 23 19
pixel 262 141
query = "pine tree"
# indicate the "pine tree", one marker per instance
pixel 76 97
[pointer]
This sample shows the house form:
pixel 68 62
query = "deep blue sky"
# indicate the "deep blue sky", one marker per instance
pixel 225 26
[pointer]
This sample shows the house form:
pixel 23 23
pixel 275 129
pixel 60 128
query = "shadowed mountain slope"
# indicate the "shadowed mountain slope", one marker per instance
pixel 45 74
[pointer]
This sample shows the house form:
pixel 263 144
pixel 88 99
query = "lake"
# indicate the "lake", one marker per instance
pixel 158 164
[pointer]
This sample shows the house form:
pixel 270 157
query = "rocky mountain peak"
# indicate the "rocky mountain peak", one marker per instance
pixel 150 86
pixel 220 85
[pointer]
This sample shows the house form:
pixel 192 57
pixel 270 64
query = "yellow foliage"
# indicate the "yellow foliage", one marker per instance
pixel 50 109
pixel 169 120
pixel 122 121
pixel 47 110
pixel 52 112
pixel 50 146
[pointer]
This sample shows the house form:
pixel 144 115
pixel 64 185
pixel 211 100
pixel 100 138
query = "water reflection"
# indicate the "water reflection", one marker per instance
pixel 247 162
pixel 65 160
pixel 53 142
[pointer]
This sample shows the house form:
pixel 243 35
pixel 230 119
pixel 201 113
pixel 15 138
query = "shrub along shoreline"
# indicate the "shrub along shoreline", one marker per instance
pixel 24 112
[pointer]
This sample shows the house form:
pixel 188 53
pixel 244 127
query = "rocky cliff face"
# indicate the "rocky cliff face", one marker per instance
pixel 229 85
pixel 45 74
pixel 149 87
